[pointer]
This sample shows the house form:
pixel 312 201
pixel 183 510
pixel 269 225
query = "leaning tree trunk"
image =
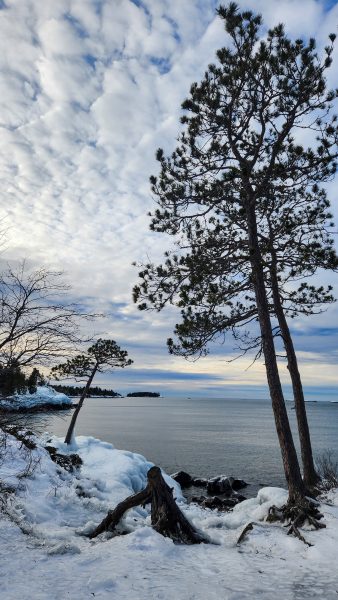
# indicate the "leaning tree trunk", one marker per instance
pixel 166 517
pixel 311 478
pixel 290 461
pixel 84 394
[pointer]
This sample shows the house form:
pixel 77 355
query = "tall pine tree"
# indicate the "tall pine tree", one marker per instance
pixel 232 192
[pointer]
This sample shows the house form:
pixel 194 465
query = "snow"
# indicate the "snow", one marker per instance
pixel 55 508
pixel 44 396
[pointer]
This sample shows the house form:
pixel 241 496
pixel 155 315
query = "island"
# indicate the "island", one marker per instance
pixel 143 395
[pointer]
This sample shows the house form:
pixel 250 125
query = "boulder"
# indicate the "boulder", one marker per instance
pixel 183 478
pixel 237 484
pixel 224 504
pixel 224 485
pixel 239 497
pixel 219 485
pixel 199 482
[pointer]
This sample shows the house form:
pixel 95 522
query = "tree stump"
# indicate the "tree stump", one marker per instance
pixel 166 517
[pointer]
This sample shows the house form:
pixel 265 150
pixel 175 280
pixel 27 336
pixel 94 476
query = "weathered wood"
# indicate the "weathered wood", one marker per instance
pixel 166 517
pixel 247 528
pixel 114 516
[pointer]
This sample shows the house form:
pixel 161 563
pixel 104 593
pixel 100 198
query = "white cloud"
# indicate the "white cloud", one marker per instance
pixel 89 90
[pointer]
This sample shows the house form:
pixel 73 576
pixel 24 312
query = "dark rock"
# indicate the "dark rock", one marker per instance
pixel 70 462
pixel 199 482
pixel 237 484
pixel 224 504
pixel 197 499
pixel 224 485
pixel 213 502
pixel 219 485
pixel 22 435
pixel 240 497
pixel 183 478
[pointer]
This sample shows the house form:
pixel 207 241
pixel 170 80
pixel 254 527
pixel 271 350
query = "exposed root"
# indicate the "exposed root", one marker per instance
pixel 166 517
pixel 297 514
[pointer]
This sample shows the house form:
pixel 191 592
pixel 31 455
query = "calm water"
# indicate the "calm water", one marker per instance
pixel 204 436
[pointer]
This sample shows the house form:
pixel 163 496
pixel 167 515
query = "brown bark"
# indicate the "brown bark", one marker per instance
pixel 289 455
pixel 114 516
pixel 84 394
pixel 166 517
pixel 311 478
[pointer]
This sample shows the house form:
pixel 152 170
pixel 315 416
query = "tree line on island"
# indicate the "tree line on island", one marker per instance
pixel 244 199
pixel 72 390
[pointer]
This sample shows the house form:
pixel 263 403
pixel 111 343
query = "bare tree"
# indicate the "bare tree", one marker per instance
pixel 37 322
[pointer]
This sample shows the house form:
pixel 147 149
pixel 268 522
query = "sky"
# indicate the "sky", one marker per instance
pixel 89 89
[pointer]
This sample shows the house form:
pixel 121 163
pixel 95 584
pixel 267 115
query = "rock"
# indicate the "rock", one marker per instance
pixel 237 484
pixel 199 482
pixel 70 462
pixel 219 485
pixel 198 499
pixel 183 478
pixel 224 504
pixel 224 485
pixel 240 497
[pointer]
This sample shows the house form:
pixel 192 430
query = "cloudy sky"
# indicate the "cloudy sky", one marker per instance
pixel 89 89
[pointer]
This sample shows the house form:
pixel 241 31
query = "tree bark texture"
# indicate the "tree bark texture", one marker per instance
pixel 84 394
pixel 311 477
pixel 166 517
pixel 289 455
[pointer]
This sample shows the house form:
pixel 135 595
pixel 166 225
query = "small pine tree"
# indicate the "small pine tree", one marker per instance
pixel 32 381
pixel 102 356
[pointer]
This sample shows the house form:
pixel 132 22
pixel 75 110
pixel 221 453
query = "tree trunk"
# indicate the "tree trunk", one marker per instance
pixel 166 517
pixel 289 455
pixel 84 394
pixel 311 478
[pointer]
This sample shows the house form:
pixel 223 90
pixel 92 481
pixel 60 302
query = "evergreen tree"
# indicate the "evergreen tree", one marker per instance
pixel 234 189
pixel 102 356
pixel 33 381
pixel 12 380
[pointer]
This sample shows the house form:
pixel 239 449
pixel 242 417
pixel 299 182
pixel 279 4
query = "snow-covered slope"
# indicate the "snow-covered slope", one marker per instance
pixel 55 507
pixel 44 396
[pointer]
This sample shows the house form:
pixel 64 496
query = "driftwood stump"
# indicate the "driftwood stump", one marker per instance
pixel 166 517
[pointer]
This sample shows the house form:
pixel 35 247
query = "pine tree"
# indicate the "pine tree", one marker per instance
pixel 102 356
pixel 233 191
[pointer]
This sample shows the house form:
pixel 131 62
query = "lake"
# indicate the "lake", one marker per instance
pixel 204 436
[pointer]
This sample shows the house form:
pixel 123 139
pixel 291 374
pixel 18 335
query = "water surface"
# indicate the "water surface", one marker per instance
pixel 204 436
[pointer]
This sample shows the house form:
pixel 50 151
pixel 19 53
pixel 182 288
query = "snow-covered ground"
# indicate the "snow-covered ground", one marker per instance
pixel 44 396
pixel 53 561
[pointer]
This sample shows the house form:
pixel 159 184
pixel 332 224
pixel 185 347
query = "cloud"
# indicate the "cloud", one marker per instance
pixel 89 90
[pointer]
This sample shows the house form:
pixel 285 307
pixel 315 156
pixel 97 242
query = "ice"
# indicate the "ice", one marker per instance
pixel 43 396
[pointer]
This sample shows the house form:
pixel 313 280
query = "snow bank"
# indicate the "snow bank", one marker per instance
pixel 56 504
pixel 55 508
pixel 44 396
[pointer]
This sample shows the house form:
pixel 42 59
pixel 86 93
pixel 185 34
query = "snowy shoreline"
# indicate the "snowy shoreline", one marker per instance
pixel 44 398
pixel 55 508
